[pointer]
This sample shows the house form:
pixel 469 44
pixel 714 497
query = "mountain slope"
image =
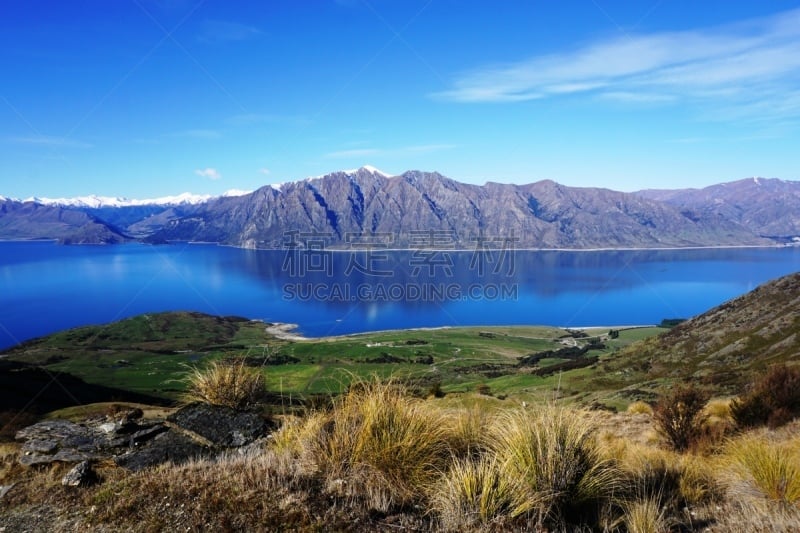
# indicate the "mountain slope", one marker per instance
pixel 69 226
pixel 769 207
pixel 538 215
pixel 722 348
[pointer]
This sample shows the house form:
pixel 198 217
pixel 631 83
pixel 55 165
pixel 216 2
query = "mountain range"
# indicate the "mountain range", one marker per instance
pixel 418 208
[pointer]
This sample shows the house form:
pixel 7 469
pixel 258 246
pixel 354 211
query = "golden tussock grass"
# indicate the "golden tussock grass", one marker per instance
pixel 379 452
pixel 474 494
pixel 467 430
pixel 554 457
pixel 758 468
pixel 719 409
pixel 639 408
pixel 228 383
pixel 645 515
pixel 380 445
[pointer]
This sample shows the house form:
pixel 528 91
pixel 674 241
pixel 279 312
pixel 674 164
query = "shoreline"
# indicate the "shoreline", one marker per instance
pixel 286 330
pixel 454 250
pixel 472 250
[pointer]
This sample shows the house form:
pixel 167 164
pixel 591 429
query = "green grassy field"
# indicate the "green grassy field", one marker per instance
pixel 152 353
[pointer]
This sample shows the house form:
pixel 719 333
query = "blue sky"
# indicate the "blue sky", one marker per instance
pixel 145 98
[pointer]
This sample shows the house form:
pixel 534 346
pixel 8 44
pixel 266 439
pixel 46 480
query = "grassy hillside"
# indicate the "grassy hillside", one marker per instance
pixel 145 354
pixel 722 349
pixel 151 354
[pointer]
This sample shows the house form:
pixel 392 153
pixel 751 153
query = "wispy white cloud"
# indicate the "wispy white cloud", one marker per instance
pixel 739 62
pixel 393 152
pixel 45 140
pixel 214 31
pixel 210 173
pixel 264 171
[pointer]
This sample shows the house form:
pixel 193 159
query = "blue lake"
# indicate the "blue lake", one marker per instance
pixel 45 287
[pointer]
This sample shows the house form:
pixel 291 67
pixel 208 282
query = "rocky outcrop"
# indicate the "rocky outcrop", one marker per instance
pixel 80 475
pixel 197 430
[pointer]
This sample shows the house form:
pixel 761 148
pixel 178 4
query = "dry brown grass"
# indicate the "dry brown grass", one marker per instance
pixel 234 493
pixel 379 445
pixel 475 494
pixel 380 459
pixel 748 517
pixel 467 431
pixel 229 383
pixel 553 456
pixel 759 469
pixel 639 408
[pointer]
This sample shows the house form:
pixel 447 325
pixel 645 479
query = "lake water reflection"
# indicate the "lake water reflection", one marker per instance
pixel 45 287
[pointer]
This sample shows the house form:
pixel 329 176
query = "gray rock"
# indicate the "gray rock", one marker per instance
pixel 198 430
pixel 63 441
pixel 59 440
pixel 4 489
pixel 80 475
pixel 220 426
pixel 169 446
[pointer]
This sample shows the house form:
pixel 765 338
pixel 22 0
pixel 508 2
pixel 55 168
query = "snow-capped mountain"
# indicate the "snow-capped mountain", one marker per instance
pixel 370 169
pixel 95 202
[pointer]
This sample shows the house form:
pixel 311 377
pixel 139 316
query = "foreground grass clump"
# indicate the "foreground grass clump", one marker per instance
pixel 229 383
pixel 380 445
pixel 645 515
pixel 554 457
pixel 761 469
pixel 475 493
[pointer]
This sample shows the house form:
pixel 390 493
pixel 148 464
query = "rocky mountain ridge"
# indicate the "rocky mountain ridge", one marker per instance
pixel 421 209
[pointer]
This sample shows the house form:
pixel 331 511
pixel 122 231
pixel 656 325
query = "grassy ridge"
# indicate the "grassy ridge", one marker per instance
pixel 150 353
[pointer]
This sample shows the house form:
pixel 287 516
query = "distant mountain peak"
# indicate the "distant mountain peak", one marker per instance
pixel 235 192
pixel 94 201
pixel 365 168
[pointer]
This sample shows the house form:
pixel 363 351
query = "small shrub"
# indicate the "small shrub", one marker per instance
pixel 773 400
pixel 484 389
pixel 760 468
pixel 229 383
pixel 552 455
pixel 679 416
